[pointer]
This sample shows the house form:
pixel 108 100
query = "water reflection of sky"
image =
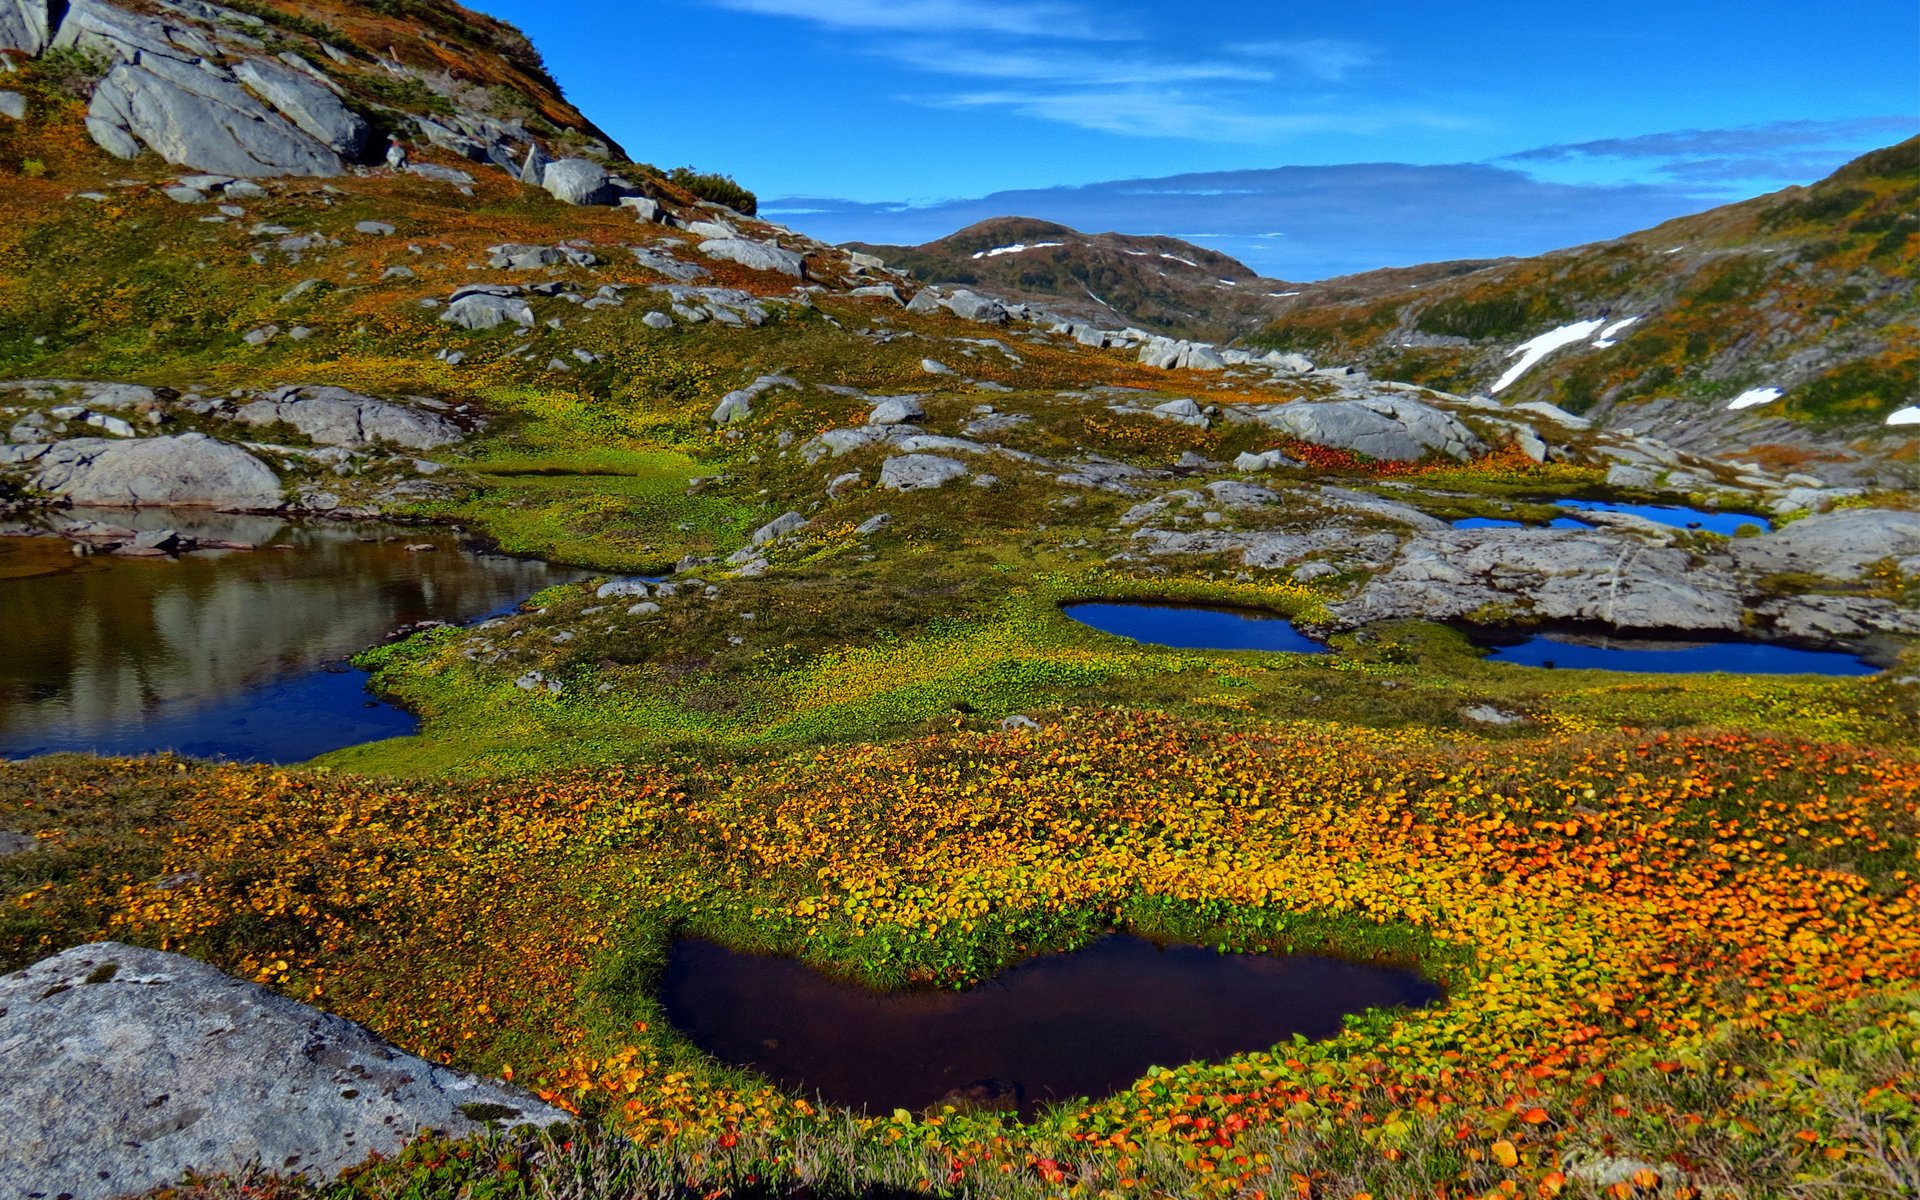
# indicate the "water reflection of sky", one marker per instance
pixel 1673 515
pixel 1734 658
pixel 234 655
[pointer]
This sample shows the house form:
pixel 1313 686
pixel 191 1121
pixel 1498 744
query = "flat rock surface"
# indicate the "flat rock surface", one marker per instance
pixel 126 1068
pixel 190 470
pixel 333 416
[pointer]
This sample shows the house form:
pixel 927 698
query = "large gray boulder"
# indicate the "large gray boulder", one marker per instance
pixel 332 416
pixel 191 470
pixel 24 26
pixel 128 1068
pixel 1392 429
pixel 1835 545
pixel 1595 576
pixel 580 181
pixel 756 256
pixel 920 472
pixel 308 104
pixel 198 119
pixel 481 311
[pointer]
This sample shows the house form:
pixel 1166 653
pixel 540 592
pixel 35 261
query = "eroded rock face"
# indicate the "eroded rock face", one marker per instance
pixel 332 416
pixel 579 181
pixel 309 104
pixel 756 256
pixel 197 119
pixel 187 471
pixel 127 1068
pixel 1396 430
pixel 1550 575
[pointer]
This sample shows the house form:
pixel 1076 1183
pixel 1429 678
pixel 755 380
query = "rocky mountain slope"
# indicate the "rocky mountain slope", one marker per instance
pixel 1160 284
pixel 1786 327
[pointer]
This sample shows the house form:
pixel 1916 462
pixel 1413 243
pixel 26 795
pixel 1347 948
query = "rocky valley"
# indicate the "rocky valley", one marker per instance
pixel 812 685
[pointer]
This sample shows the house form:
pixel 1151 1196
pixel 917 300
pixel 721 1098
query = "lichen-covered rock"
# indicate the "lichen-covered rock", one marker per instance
pixel 190 470
pixel 332 416
pixel 1836 545
pixel 920 472
pixel 201 120
pixel 756 256
pixel 127 1068
pixel 308 103
pixel 1391 429
pixel 1593 576
pixel 24 26
pixel 580 181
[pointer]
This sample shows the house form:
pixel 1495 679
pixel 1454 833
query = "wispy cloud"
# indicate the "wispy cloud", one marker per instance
pixel 940 16
pixel 1770 154
pixel 1329 60
pixel 1090 66
pixel 1163 112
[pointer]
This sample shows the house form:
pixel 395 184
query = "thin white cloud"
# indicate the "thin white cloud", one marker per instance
pixel 1067 68
pixel 1167 113
pixel 1329 60
pixel 940 16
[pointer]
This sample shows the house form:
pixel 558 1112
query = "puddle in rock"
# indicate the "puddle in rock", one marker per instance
pixel 1194 627
pixel 1665 656
pixel 226 654
pixel 1709 519
pixel 1674 515
pixel 1086 1023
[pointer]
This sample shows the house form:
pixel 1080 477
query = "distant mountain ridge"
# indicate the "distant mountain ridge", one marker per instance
pixel 1161 284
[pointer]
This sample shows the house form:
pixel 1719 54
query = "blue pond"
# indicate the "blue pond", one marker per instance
pixel 1677 516
pixel 1191 627
pixel 1568 652
pixel 1711 520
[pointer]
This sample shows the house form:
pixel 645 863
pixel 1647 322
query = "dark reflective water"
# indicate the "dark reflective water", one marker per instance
pixel 1667 657
pixel 1082 1024
pixel 237 655
pixel 1192 627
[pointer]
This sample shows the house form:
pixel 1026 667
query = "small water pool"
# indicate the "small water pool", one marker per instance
pixel 231 655
pixel 1086 1023
pixel 1674 515
pixel 1712 520
pixel 1567 651
pixel 1195 627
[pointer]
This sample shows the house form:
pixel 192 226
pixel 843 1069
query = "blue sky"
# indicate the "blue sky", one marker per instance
pixel 882 113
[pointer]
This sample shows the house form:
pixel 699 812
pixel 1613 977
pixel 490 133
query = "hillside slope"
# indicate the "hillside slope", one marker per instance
pixel 1160 284
pixel 1801 307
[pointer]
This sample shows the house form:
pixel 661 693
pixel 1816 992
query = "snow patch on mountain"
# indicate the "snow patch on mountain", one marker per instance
pixel 1017 248
pixel 1532 354
pixel 1754 398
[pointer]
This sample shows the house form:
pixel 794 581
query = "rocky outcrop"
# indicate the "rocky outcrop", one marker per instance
pixel 309 104
pixel 170 94
pixel 24 25
pixel 331 416
pixel 190 470
pixel 1550 575
pixel 127 1068
pixel 920 472
pixel 1837 545
pixel 1393 429
pixel 756 256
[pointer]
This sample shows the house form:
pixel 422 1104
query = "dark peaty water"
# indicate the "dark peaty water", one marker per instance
pixel 236 655
pixel 1194 627
pixel 1086 1023
pixel 1654 656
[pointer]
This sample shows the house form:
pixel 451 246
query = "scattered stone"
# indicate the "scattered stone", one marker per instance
pixel 897 410
pixel 657 320
pixel 375 228
pixel 934 366
pixel 778 528
pixel 1010 724
pixel 481 311
pixel 873 524
pixel 1487 714
pixel 260 336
